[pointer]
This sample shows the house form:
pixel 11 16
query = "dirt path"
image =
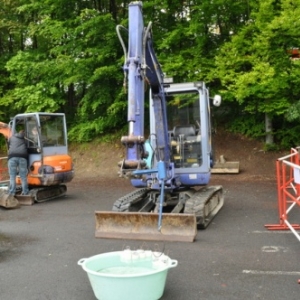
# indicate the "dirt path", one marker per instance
pixel 101 160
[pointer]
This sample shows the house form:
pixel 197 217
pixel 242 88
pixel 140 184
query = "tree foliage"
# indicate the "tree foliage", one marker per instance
pixel 255 67
pixel 64 56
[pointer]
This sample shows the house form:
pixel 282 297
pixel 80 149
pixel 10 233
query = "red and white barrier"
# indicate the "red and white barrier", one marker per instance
pixel 288 188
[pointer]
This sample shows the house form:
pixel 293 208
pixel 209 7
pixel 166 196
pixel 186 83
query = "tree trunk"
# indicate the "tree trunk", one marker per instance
pixel 269 129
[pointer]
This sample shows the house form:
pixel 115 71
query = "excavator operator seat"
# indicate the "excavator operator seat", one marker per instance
pixel 187 132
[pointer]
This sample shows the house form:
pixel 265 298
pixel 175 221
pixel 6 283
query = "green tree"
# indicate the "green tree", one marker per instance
pixel 59 55
pixel 255 67
pixel 190 33
pixel 69 64
pixel 11 41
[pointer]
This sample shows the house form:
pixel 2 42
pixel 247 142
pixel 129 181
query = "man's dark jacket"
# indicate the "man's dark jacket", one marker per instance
pixel 17 146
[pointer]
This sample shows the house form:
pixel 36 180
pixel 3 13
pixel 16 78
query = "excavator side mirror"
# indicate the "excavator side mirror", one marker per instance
pixel 217 100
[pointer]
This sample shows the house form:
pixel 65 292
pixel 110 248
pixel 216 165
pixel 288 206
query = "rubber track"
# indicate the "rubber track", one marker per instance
pixel 196 204
pixel 48 193
pixel 124 203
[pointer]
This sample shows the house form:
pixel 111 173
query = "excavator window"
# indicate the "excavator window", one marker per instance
pixel 44 131
pixel 184 126
pixel 53 130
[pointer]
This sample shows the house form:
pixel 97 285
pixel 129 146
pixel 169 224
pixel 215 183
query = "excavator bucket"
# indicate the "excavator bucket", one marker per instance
pixel 143 226
pixel 225 167
pixel 8 201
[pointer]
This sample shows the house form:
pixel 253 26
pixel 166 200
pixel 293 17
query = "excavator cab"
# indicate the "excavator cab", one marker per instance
pixel 189 130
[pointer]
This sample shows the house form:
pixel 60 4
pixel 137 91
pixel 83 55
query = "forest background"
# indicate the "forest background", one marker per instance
pixel 65 56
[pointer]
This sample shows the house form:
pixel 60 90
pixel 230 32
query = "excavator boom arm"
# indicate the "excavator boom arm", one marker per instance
pixel 141 66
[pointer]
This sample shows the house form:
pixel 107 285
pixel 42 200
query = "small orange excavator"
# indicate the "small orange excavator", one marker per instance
pixel 49 164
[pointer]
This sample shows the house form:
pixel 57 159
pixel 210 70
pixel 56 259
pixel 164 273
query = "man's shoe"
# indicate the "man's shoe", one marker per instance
pixel 23 194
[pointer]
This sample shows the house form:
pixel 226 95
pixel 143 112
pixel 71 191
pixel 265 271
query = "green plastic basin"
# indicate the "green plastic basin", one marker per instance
pixel 114 276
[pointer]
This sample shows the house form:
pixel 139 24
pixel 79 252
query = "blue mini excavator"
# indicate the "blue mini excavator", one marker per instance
pixel 171 170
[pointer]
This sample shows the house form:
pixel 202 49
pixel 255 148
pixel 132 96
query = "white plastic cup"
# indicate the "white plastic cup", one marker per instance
pixel 126 255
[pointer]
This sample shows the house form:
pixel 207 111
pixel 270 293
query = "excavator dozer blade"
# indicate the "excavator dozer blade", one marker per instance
pixel 25 200
pixel 144 226
pixel 8 201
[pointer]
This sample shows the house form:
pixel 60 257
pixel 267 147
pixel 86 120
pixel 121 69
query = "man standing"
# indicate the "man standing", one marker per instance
pixel 17 162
